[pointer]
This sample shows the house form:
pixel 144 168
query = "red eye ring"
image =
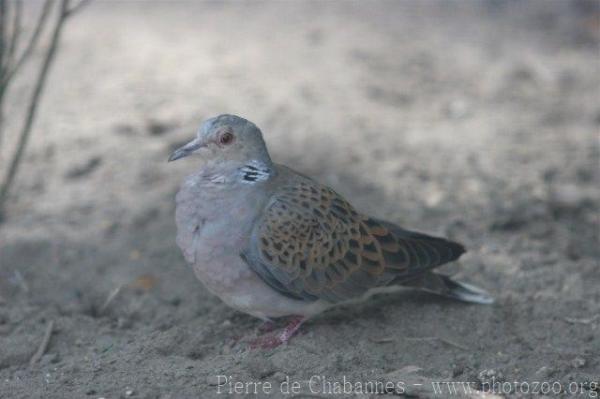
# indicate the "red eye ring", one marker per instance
pixel 226 138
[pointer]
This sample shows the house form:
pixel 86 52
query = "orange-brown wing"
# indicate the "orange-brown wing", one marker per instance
pixel 312 244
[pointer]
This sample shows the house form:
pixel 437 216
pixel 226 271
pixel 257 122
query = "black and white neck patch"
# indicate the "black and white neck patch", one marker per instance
pixel 254 171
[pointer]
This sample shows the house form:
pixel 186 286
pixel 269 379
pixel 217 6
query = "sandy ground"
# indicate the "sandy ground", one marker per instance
pixel 478 121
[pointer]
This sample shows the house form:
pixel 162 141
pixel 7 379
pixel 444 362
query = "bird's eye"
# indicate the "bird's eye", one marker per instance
pixel 226 138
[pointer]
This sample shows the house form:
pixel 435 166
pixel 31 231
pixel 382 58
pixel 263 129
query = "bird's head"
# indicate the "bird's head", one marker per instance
pixel 226 138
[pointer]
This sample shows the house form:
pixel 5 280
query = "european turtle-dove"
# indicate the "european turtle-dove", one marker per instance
pixel 272 242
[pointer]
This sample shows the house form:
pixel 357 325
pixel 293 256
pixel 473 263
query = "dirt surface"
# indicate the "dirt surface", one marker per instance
pixel 478 121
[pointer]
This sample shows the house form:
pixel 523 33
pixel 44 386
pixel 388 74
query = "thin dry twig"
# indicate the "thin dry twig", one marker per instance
pixel 385 340
pixel 20 280
pixel 3 34
pixel 444 340
pixel 77 7
pixel 43 345
pixel 10 70
pixel 15 32
pixel 111 297
pixel 589 320
pixel 33 105
pixel 3 11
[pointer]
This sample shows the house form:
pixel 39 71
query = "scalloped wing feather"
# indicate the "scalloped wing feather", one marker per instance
pixel 312 244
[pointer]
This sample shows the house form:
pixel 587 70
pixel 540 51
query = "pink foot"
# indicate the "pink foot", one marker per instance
pixel 266 327
pixel 274 340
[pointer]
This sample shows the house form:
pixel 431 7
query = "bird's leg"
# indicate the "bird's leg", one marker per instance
pixel 274 340
pixel 291 328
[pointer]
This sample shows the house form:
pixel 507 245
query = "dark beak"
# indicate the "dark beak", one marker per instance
pixel 186 150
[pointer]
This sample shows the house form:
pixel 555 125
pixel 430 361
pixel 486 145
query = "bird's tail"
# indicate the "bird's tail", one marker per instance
pixel 444 285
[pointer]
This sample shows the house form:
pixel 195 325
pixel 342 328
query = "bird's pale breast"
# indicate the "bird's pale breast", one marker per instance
pixel 213 228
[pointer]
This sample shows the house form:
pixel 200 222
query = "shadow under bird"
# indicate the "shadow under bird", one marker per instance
pixel 272 242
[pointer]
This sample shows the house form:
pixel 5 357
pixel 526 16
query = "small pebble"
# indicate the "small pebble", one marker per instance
pixel 279 376
pixel 212 380
pixel 578 362
pixel 491 376
pixel 544 372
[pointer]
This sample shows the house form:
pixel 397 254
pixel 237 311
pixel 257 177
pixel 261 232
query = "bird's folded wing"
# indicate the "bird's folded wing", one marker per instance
pixel 310 244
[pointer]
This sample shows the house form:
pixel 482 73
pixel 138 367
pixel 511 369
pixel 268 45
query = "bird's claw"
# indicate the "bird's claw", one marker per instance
pixel 271 341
